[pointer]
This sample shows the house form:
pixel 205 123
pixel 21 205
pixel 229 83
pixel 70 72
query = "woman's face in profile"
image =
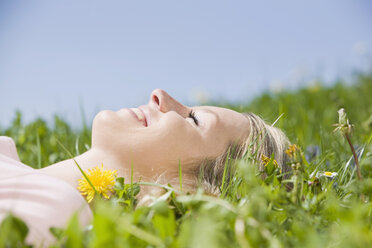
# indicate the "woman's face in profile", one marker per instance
pixel 165 132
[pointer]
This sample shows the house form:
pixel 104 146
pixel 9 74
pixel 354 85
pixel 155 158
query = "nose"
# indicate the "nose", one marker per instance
pixel 164 102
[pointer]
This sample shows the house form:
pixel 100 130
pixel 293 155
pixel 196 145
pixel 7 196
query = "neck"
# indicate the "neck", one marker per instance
pixel 68 171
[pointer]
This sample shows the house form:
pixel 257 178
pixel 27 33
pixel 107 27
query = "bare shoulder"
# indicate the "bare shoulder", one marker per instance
pixel 8 147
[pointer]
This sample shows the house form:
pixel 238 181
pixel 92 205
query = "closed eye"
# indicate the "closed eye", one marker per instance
pixel 192 116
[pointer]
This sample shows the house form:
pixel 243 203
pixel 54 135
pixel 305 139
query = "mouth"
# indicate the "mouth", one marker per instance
pixel 145 111
pixel 139 115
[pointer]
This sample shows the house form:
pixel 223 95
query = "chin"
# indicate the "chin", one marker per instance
pixel 104 115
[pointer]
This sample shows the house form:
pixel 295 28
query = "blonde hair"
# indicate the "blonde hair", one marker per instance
pixel 261 139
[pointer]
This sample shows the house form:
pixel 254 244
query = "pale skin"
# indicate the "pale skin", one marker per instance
pixel 154 139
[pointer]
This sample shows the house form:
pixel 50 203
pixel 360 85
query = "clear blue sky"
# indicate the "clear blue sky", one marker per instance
pixel 111 54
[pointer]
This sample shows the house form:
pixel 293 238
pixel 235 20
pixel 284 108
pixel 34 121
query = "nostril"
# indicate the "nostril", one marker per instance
pixel 155 99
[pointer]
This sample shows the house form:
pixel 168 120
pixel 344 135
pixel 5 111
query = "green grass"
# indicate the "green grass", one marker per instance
pixel 317 212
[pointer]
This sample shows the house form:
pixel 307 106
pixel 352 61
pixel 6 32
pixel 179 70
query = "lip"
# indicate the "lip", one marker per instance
pixel 144 121
pixel 146 114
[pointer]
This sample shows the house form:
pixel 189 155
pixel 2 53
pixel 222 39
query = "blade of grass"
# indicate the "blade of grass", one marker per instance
pixel 160 185
pixel 131 185
pixel 131 177
pixel 38 150
pixel 143 235
pixel 277 119
pixel 223 190
pixel 217 201
pixel 77 145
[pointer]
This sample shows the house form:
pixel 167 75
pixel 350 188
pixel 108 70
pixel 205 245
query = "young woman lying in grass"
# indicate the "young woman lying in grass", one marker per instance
pixel 155 140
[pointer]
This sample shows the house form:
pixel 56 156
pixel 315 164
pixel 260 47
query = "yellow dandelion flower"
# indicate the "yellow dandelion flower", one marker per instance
pixel 266 160
pixel 291 150
pixel 102 180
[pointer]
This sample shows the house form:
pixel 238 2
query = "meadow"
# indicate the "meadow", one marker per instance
pixel 328 205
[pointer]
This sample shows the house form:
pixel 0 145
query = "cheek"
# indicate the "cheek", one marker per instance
pixel 169 141
pixel 183 141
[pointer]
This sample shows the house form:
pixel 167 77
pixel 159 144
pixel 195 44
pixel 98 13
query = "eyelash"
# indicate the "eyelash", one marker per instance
pixel 192 116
